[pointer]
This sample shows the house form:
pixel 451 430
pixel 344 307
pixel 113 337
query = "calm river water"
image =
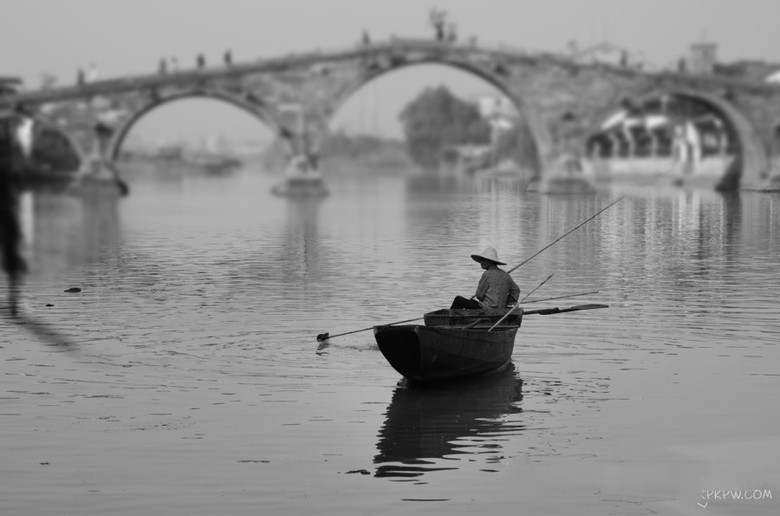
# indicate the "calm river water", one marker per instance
pixel 194 383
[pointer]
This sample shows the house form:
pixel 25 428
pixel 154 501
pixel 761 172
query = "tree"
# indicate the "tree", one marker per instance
pixel 437 119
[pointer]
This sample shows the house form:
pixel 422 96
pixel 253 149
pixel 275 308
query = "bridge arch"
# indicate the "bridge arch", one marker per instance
pixel 542 138
pixel 751 163
pixel 114 142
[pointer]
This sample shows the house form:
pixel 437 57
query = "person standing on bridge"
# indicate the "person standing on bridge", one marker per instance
pixel 496 289
pixel 438 18
pixel 92 74
pixel 201 61
pixel 452 33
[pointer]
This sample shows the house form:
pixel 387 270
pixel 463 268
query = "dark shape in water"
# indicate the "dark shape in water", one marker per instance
pixel 424 423
pixel 10 231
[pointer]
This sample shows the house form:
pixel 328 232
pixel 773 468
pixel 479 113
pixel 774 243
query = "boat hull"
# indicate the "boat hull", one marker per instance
pixel 437 353
pixel 461 316
pixel 300 188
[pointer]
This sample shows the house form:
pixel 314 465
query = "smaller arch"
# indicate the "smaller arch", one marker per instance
pixel 249 103
pixel 751 158
pixel 738 136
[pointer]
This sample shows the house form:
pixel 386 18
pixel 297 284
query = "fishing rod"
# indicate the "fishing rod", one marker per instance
pixel 537 253
pixel 560 297
pixel 537 288
pixel 520 301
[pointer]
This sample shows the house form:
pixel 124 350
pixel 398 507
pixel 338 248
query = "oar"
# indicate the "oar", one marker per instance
pixel 565 234
pixel 325 336
pixel 521 300
pixel 560 297
pixel 551 311
pixel 556 310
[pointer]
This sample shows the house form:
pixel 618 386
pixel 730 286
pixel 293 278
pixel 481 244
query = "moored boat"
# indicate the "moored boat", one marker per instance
pixel 434 353
pixel 301 179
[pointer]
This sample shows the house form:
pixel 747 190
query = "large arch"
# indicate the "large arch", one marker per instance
pixel 540 133
pixel 114 144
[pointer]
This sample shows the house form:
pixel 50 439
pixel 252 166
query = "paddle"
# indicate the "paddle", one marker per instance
pixel 549 311
pixel 556 310
pixel 325 336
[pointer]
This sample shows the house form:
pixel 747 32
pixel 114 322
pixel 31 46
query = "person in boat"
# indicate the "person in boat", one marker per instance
pixel 496 289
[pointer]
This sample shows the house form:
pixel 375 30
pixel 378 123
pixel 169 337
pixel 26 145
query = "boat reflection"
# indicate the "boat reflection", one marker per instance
pixel 427 426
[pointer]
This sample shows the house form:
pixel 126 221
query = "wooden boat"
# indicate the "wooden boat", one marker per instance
pixel 454 317
pixel 434 353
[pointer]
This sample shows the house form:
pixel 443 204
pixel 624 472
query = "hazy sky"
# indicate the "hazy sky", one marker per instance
pixel 124 37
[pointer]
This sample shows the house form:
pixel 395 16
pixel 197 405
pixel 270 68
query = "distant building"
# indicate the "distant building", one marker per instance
pixel 493 106
pixel 749 70
pixel 9 85
pixel 604 53
pixel 702 58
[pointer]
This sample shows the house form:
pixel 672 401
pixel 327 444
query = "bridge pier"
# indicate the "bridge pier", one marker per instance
pixel 97 164
pixel 773 183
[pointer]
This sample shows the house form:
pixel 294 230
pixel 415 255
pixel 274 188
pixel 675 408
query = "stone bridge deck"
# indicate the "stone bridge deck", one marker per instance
pixel 562 101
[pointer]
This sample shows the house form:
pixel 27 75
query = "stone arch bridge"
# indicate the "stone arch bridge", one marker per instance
pixel 563 102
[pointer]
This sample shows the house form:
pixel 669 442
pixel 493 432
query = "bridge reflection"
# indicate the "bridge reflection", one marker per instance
pixel 426 427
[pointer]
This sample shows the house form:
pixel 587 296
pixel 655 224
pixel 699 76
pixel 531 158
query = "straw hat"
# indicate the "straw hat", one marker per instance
pixel 489 254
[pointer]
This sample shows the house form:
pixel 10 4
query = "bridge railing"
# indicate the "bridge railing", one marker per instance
pixel 465 48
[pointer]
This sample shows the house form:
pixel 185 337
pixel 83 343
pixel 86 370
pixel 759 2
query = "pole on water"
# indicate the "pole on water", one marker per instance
pixel 565 234
pixel 322 337
pixel 520 301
